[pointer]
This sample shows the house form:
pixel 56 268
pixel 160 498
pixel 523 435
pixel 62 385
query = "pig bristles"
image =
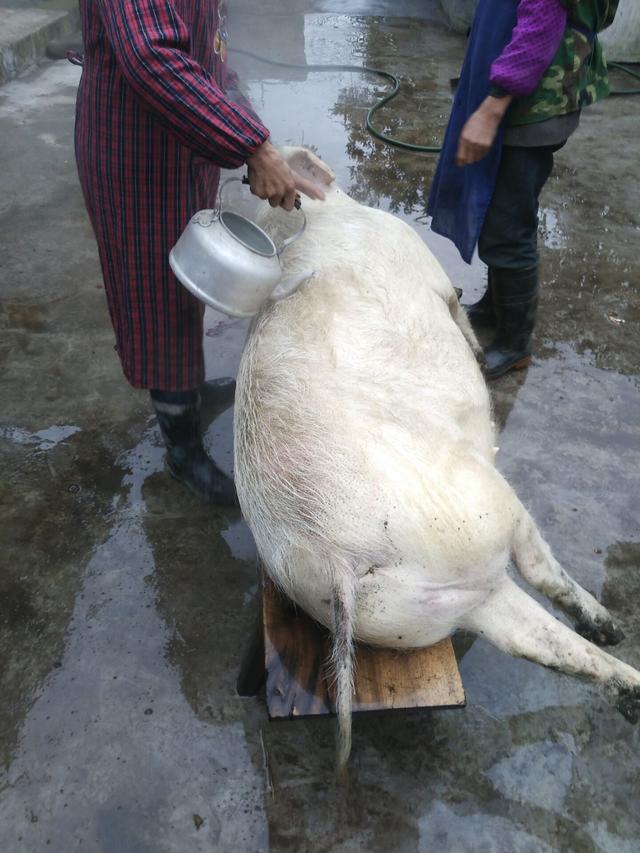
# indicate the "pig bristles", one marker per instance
pixel 342 663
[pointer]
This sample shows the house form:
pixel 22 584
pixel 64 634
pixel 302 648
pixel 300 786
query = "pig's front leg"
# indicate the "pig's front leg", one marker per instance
pixel 461 320
pixel 538 566
pixel 515 623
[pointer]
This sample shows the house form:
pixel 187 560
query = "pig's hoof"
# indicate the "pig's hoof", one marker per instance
pixel 605 633
pixel 629 703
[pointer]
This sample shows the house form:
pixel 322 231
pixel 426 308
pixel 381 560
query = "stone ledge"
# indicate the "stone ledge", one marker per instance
pixel 25 33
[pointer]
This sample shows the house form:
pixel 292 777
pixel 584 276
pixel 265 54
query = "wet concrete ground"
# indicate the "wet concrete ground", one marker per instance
pixel 124 603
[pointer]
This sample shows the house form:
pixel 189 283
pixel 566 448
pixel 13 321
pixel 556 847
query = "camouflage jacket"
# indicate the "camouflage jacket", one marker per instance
pixel 577 75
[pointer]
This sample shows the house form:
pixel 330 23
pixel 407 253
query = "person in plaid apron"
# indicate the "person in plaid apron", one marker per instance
pixel 158 114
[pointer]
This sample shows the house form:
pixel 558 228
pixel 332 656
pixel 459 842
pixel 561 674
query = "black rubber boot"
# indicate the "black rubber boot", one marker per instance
pixel 179 420
pixel 216 395
pixel 482 314
pixel 515 300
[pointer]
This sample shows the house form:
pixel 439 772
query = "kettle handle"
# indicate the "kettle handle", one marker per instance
pixel 293 237
pixel 218 207
pixel 298 204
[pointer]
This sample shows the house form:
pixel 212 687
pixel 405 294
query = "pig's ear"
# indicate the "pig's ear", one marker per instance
pixel 307 164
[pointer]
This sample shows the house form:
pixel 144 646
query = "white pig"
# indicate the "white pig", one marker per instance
pixel 364 460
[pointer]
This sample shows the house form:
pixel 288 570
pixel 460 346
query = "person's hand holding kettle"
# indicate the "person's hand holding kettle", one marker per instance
pixel 270 177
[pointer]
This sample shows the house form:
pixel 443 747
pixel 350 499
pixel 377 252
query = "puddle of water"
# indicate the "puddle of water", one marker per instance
pixel 239 539
pixel 44 439
pixel 111 750
pixel 326 111
pixel 571 443
pixel 539 773
pixel 570 446
pixel 444 828
pixel 143 460
pixel 550 230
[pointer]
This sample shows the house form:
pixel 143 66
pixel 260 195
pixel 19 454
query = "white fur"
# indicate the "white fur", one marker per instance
pixel 365 447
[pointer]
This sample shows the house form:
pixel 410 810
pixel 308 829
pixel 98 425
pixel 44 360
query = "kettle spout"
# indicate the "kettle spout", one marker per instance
pixel 290 284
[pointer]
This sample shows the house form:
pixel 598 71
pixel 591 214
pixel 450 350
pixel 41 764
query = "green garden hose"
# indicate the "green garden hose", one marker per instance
pixel 362 69
pixel 395 82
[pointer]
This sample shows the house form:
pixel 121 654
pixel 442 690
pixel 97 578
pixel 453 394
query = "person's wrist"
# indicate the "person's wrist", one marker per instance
pixel 495 108
pixel 263 150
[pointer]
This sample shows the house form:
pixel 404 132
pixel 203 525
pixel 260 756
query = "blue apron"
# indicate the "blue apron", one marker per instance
pixel 459 197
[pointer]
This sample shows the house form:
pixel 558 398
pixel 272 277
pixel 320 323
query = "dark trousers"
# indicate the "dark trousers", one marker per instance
pixel 509 236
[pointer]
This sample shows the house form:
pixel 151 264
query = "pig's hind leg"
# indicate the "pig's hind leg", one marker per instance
pixel 538 566
pixel 515 623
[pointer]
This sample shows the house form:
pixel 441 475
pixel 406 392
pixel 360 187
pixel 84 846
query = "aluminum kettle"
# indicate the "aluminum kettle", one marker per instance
pixel 230 263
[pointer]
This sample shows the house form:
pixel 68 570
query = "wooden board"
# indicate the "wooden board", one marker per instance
pixel 297 649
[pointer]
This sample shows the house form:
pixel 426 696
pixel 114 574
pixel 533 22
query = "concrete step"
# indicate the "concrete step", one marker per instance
pixel 57 48
pixel 26 31
pixel 459 13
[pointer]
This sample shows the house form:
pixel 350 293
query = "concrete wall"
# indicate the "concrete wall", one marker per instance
pixel 622 40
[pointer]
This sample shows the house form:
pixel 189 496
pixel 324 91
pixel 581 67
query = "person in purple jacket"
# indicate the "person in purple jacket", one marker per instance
pixel 530 67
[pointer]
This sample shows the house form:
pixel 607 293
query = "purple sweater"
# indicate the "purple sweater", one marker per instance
pixel 534 42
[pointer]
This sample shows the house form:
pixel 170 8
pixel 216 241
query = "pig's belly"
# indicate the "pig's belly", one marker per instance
pixel 401 615
pixel 397 610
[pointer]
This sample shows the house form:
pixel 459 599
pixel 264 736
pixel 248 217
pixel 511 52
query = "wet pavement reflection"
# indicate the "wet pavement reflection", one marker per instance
pixel 125 604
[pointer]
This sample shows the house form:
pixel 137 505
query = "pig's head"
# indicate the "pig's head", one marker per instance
pixel 309 165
